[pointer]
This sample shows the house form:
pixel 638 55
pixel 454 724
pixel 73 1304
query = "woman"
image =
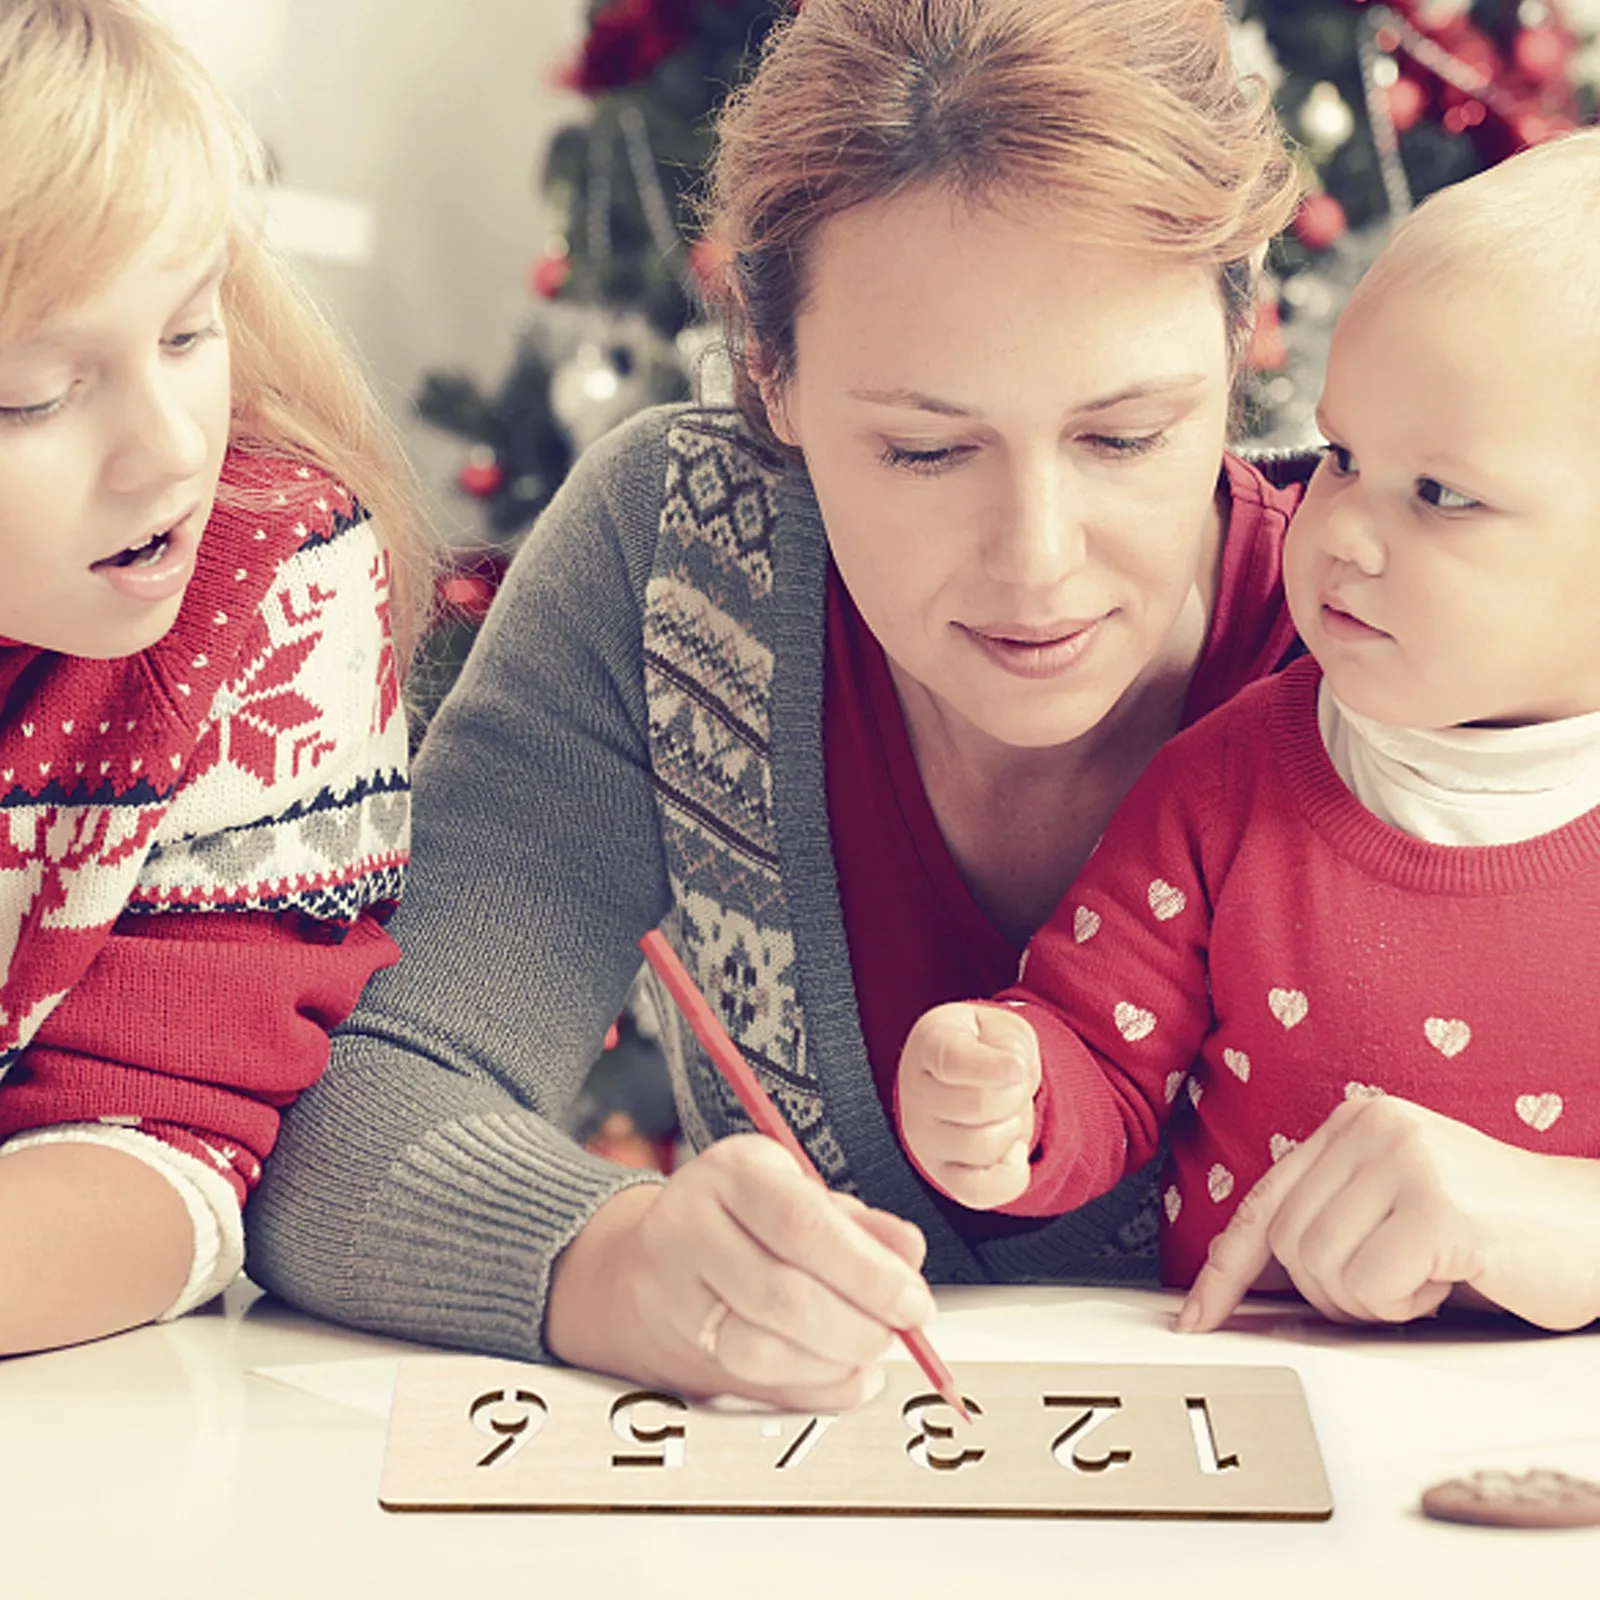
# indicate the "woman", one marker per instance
pixel 839 690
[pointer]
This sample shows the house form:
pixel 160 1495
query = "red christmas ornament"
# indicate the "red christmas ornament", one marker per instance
pixel 468 595
pixel 1320 221
pixel 709 259
pixel 548 276
pixel 1466 114
pixel 1543 54
pixel 628 41
pixel 480 477
pixel 1407 100
pixel 1534 126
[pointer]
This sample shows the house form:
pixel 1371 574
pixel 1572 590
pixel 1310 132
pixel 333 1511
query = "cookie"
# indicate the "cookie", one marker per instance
pixel 1537 1499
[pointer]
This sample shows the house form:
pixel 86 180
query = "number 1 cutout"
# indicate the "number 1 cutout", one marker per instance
pixel 1205 1440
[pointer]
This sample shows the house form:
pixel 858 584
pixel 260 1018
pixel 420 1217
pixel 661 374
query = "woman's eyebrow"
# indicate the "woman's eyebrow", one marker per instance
pixel 911 400
pixel 916 400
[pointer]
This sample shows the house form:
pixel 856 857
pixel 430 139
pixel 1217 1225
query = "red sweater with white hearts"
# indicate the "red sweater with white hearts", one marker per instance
pixel 1249 946
pixel 198 842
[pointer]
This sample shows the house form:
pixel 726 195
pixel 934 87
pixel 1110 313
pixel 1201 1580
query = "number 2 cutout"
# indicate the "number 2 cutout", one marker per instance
pixel 488 1414
pixel 1095 1408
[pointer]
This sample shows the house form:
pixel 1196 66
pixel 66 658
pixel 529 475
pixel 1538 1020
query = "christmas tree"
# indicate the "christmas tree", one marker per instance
pixel 616 307
pixel 1388 103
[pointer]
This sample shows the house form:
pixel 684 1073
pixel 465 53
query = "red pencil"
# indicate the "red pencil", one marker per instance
pixel 769 1120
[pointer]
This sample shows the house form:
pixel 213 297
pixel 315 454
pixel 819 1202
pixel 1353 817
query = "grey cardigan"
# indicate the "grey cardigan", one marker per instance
pixel 635 741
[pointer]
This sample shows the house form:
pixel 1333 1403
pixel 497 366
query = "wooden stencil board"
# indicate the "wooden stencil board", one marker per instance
pixel 1046 1439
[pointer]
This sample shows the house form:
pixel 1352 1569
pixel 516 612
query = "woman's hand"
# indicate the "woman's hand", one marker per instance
pixel 814 1284
pixel 1389 1208
pixel 968 1075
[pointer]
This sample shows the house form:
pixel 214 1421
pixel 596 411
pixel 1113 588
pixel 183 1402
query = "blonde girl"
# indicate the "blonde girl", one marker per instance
pixel 215 571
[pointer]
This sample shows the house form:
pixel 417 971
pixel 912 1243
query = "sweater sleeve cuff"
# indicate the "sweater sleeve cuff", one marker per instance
pixel 207 1197
pixel 1078 1152
pixel 457 1242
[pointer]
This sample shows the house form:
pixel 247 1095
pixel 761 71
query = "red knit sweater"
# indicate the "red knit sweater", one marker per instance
pixel 196 841
pixel 1249 946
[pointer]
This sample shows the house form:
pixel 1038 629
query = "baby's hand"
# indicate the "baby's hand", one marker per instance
pixel 967 1079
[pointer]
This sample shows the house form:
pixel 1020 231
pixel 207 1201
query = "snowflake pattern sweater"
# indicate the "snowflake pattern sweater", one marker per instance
pixel 197 845
pixel 1249 946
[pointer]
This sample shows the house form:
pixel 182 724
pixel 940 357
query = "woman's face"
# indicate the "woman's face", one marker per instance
pixel 1015 442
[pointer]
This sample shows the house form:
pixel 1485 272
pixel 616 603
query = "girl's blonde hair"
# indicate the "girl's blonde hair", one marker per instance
pixel 109 130
pixel 1127 113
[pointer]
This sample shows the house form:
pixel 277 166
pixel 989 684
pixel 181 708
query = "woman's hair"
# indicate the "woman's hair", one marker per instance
pixel 1128 113
pixel 109 131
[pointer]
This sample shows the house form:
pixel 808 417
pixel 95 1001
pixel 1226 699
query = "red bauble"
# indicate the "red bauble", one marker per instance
pixel 468 594
pixel 548 275
pixel 1534 126
pixel 1407 100
pixel 1319 221
pixel 1466 114
pixel 1543 54
pixel 480 478
pixel 628 40
pixel 709 259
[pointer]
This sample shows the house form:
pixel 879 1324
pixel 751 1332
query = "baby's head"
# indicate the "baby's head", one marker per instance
pixel 1445 565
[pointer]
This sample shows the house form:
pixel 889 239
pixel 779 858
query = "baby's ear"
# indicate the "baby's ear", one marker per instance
pixel 772 390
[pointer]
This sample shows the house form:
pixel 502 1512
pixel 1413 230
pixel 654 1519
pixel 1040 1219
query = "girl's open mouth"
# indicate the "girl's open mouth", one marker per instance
pixel 157 567
pixel 143 555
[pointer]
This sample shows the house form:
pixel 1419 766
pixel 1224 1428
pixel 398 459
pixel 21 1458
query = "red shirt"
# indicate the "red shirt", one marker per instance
pixel 917 937
pixel 1179 988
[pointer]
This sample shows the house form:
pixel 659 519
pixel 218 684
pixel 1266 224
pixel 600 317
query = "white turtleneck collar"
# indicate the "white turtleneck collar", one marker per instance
pixel 1465 786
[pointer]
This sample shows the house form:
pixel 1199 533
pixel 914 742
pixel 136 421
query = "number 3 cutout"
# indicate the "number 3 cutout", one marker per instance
pixel 920 1446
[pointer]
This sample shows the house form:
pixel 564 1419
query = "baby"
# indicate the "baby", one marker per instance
pixel 1336 945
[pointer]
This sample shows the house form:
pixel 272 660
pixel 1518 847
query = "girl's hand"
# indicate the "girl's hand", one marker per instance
pixel 1388 1207
pixel 968 1074
pixel 814 1284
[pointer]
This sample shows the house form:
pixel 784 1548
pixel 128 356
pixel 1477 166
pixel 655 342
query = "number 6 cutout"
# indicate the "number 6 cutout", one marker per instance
pixel 514 1431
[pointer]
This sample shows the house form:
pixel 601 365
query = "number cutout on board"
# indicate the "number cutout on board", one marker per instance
pixel 514 1431
pixel 1046 1439
pixel 928 1430
pixel 1067 1446
pixel 671 1435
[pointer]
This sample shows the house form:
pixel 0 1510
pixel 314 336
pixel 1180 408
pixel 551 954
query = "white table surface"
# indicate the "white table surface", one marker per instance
pixel 164 1463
